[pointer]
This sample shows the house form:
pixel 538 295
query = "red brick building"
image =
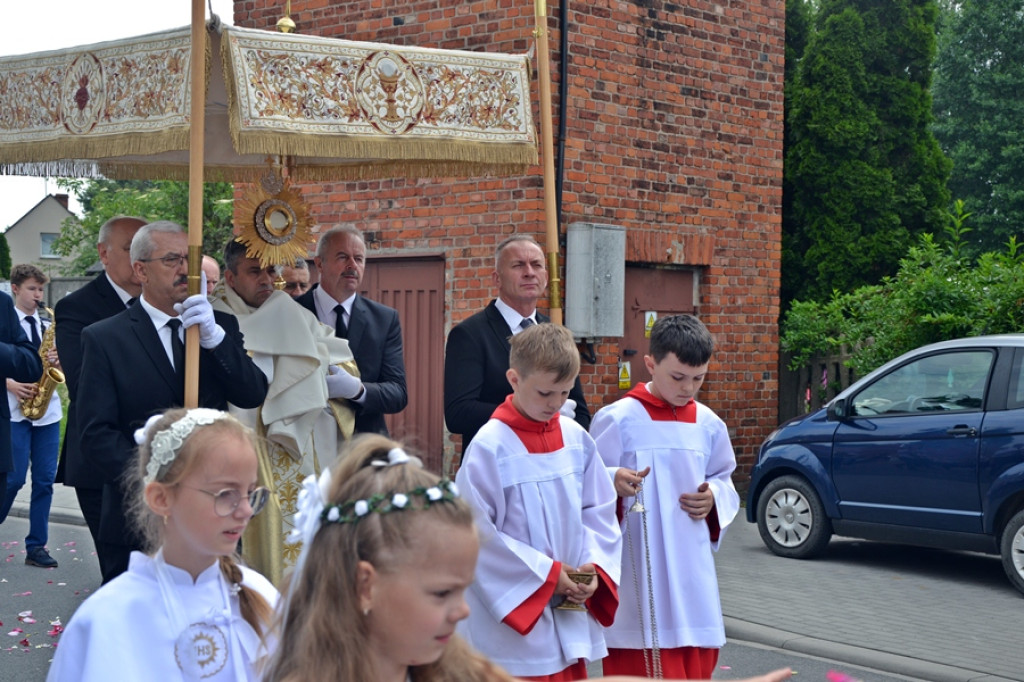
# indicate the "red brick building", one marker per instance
pixel 673 131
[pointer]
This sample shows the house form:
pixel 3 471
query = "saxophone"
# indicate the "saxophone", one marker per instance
pixel 35 407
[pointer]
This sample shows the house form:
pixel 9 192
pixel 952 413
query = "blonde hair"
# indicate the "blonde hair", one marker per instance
pixel 149 526
pixel 323 635
pixel 545 347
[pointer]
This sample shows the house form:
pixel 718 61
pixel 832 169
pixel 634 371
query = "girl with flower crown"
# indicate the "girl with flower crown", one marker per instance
pixel 388 553
pixel 186 610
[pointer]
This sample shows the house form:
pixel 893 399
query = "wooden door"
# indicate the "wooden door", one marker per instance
pixel 415 288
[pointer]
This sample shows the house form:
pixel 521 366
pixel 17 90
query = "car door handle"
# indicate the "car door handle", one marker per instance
pixel 962 430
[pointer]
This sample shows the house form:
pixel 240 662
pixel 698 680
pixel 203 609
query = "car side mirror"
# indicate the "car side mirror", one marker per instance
pixel 836 410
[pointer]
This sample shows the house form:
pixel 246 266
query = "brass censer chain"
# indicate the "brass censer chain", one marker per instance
pixel 652 661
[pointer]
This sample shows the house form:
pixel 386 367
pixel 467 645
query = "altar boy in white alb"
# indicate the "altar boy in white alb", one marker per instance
pixel 659 437
pixel 546 507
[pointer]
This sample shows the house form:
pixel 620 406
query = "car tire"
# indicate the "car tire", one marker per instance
pixel 1011 548
pixel 791 519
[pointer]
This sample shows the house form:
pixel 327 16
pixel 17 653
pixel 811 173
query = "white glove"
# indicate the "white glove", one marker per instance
pixel 341 384
pixel 568 409
pixel 196 310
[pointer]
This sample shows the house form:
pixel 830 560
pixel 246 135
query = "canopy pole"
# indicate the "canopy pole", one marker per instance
pixel 195 194
pixel 547 152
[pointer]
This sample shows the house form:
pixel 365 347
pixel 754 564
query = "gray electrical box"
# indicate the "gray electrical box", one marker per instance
pixel 595 273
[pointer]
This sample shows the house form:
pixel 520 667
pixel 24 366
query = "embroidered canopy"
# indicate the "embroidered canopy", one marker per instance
pixel 325 108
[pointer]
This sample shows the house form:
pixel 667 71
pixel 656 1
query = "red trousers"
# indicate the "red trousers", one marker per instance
pixel 686 663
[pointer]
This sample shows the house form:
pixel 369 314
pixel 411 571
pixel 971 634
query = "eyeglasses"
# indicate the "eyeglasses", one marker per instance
pixel 171 260
pixel 226 501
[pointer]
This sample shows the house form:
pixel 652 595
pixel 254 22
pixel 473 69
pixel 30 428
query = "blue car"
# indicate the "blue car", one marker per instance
pixel 927 450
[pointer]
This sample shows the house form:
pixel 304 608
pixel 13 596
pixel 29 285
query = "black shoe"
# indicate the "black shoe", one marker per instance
pixel 41 558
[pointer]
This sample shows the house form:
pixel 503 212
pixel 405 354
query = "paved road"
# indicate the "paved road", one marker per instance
pixel 922 614
pixel 934 615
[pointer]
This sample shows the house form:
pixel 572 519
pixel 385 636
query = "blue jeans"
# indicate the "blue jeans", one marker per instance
pixel 38 445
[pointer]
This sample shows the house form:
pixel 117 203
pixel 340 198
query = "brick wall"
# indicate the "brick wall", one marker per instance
pixel 674 130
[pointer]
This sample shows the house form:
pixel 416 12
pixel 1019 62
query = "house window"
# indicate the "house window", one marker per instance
pixel 46 245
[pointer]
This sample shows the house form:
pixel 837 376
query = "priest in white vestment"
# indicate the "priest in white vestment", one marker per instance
pixel 302 422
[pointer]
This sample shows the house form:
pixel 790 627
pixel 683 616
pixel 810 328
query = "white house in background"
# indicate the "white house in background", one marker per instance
pixel 31 238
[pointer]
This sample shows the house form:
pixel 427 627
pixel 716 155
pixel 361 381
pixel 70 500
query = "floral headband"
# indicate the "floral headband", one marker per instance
pixel 166 443
pixel 312 511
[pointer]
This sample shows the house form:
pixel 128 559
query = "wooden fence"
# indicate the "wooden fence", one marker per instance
pixel 809 387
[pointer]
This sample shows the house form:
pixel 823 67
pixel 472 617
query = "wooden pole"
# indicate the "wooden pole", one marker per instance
pixel 548 157
pixel 195 193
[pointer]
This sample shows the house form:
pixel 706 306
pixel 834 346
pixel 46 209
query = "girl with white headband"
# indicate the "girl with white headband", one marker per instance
pixel 186 610
pixel 389 550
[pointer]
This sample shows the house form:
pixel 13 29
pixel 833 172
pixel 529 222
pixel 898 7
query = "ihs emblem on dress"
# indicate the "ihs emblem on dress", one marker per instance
pixel 201 651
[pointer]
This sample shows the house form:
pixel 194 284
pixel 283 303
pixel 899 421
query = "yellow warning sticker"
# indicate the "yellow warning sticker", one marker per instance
pixel 650 317
pixel 625 382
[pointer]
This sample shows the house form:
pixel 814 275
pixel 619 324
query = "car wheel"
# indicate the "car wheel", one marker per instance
pixel 1011 548
pixel 792 520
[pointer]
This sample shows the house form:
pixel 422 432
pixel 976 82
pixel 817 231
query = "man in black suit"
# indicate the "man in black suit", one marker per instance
pixel 133 367
pixel 19 360
pixel 372 329
pixel 476 353
pixel 108 294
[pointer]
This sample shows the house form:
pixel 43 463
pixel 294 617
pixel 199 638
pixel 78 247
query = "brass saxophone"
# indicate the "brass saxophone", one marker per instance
pixel 35 407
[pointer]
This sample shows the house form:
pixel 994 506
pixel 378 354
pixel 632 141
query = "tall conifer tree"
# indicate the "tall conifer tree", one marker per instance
pixel 979 111
pixel 865 171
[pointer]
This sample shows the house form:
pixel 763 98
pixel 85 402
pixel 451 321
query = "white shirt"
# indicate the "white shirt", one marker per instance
pixel 121 293
pixel 53 410
pixel 512 318
pixel 325 305
pixel 160 319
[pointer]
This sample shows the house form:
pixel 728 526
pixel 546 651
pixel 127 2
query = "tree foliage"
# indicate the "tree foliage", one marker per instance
pixel 937 294
pixel 5 257
pixel 864 171
pixel 152 200
pixel 979 76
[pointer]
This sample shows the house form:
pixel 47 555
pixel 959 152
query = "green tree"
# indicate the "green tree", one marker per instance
pixel 5 258
pixel 979 75
pixel 864 169
pixel 152 200
pixel 799 18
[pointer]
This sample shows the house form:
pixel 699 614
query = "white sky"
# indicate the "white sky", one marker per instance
pixel 67 23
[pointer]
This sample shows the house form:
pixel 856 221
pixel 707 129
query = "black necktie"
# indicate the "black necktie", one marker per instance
pixel 340 328
pixel 131 302
pixel 177 347
pixel 34 338
pixel 526 323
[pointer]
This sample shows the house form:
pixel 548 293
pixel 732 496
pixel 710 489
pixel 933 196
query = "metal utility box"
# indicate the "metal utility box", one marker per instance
pixel 595 273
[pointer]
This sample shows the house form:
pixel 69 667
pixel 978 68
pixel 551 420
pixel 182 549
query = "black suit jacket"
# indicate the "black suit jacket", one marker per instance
pixel 126 377
pixel 475 363
pixel 96 301
pixel 375 338
pixel 20 361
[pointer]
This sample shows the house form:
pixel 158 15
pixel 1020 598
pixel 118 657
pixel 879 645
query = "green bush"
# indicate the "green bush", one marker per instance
pixel 936 295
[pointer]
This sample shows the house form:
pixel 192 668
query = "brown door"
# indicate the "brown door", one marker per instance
pixel 415 288
pixel 651 290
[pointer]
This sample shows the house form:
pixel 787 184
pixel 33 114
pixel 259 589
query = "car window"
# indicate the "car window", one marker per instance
pixel 936 383
pixel 1016 395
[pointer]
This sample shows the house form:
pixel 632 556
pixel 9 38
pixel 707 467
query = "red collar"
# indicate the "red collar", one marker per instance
pixel 661 411
pixel 538 437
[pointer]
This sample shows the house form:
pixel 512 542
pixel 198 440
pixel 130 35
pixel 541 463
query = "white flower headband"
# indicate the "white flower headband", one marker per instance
pixel 165 443
pixel 312 510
